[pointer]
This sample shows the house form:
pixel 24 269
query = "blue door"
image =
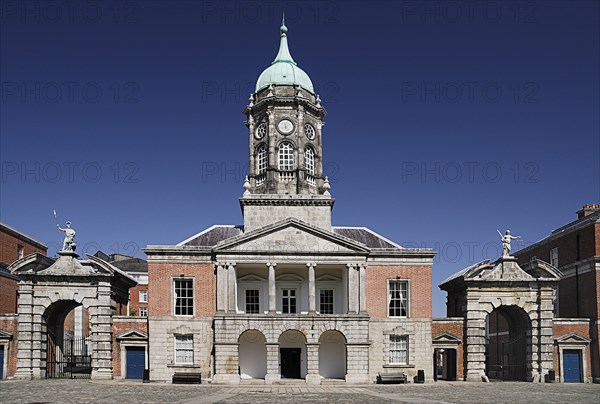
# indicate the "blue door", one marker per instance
pixel 2 362
pixel 572 365
pixel 135 362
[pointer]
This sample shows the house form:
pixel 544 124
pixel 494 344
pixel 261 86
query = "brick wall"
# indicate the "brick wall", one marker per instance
pixel 8 294
pixel 160 287
pixel 8 323
pixel 419 278
pixel 589 286
pixel 9 248
pixel 121 325
pixel 563 327
pixel 456 328
pixel 567 247
pixel 134 300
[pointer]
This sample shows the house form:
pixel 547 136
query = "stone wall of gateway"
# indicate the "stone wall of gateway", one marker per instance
pixel 355 329
pixel 161 345
pixel 420 351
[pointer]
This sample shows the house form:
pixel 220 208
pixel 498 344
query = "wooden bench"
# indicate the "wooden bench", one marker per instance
pixel 187 378
pixel 392 378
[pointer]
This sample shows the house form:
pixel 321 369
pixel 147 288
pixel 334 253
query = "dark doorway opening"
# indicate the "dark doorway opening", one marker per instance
pixel 507 340
pixel 445 364
pixel 290 362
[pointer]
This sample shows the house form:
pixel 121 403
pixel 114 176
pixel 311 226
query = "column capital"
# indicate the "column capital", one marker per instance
pixel 350 265
pixel 230 264
pixel 311 264
pixel 271 264
pixel 220 264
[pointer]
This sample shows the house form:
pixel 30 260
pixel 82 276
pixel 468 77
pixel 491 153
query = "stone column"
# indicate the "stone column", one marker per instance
pixel 272 289
pixel 25 334
pixel 311 287
pixel 357 363
pixel 226 363
pixel 221 287
pixel 352 289
pixel 362 269
pixel 312 364
pixel 475 344
pixel 231 288
pixel 101 325
pixel 273 373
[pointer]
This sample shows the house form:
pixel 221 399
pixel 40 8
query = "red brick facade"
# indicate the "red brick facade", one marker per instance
pixel 120 326
pixel 8 294
pixel 9 246
pixel 456 328
pixel 562 328
pixel 160 287
pixel 419 294
pixel 134 300
pixel 8 324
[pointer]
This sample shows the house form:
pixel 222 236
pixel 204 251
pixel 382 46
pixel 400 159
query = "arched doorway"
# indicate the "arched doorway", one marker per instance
pixel 332 355
pixel 292 355
pixel 508 336
pixel 68 350
pixel 252 355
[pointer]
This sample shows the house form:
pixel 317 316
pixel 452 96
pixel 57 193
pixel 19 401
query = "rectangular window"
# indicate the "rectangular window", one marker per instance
pixel 533 258
pixel 20 251
pixel 143 311
pixel 398 298
pixel 326 301
pixel 184 297
pixel 252 301
pixel 143 296
pixel 289 301
pixel 554 257
pixel 398 349
pixel 184 349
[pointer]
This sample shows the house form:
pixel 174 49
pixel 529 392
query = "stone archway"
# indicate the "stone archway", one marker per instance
pixel 332 355
pixel 523 296
pixel 252 355
pixel 48 291
pixel 508 337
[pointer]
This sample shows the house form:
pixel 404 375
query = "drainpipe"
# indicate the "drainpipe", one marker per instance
pixel 578 257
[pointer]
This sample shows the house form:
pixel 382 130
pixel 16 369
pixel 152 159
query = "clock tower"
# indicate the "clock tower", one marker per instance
pixel 285 121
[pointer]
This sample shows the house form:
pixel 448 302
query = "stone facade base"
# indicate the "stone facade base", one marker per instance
pixel 358 379
pixel 102 374
pixel 222 378
pixel 313 379
pixel 271 378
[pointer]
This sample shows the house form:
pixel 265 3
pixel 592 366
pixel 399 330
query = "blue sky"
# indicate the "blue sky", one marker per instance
pixel 446 120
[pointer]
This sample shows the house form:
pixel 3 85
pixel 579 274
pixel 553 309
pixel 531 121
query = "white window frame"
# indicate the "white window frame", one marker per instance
pixel 180 342
pixel 296 298
pixel 245 297
pixel 175 280
pixel 143 312
pixel 309 160
pixel 286 160
pixel 143 296
pixel 333 308
pixel 407 298
pixel 554 257
pixel 399 344
pixel 262 159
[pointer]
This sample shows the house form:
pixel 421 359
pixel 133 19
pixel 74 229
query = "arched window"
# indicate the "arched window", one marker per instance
pixel 309 160
pixel 262 159
pixel 286 157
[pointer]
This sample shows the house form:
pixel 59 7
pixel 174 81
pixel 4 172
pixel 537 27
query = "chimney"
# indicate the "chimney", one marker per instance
pixel 587 210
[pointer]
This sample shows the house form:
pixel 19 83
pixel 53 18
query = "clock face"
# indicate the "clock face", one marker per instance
pixel 309 131
pixel 285 126
pixel 261 131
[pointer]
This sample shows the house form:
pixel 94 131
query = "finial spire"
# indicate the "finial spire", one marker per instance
pixel 284 53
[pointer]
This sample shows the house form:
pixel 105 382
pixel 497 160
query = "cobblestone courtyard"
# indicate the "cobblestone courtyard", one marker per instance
pixel 85 391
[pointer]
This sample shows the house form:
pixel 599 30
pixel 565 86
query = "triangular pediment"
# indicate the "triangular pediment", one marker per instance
pixel 328 278
pixel 506 269
pixel 132 335
pixel 446 338
pixel 572 338
pixel 291 236
pixel 5 335
pixel 251 278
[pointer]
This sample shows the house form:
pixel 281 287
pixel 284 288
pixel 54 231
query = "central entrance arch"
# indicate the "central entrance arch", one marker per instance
pixel 332 355
pixel 508 336
pixel 292 355
pixel 68 350
pixel 252 355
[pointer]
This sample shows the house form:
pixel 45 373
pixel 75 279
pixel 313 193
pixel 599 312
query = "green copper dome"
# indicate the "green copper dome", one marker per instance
pixel 284 70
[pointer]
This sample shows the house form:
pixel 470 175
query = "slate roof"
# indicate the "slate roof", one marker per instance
pixel 215 234
pixel 131 265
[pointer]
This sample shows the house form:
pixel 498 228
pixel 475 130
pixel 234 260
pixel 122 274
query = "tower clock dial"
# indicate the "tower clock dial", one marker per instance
pixel 285 126
pixel 261 131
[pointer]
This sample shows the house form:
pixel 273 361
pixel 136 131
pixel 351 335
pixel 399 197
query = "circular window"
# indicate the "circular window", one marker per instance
pixel 261 131
pixel 309 131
